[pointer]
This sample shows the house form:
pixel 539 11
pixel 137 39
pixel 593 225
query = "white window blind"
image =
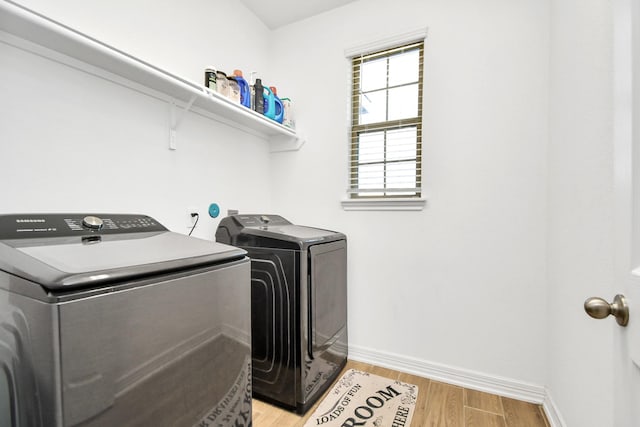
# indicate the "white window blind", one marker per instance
pixel 386 127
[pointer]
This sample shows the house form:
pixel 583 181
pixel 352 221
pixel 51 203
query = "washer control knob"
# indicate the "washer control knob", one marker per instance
pixel 265 219
pixel 92 222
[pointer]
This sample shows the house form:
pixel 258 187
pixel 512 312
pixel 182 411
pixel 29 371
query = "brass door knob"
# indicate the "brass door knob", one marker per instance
pixel 598 308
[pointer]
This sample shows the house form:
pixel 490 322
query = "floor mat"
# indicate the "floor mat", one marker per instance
pixel 363 399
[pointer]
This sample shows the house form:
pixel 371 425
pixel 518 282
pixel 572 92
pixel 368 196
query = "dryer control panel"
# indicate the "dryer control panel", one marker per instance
pixel 260 220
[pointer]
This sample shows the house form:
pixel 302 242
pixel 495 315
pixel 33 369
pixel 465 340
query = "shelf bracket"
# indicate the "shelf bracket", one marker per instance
pixel 284 143
pixel 176 119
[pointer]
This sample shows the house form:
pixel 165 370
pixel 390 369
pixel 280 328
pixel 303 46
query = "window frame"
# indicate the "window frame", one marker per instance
pixel 357 56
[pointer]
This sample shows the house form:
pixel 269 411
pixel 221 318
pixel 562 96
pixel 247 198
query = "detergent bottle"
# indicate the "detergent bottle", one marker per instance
pixel 269 103
pixel 289 117
pixel 258 92
pixel 234 89
pixel 245 92
pixel 279 111
pixel 222 83
pixel 210 78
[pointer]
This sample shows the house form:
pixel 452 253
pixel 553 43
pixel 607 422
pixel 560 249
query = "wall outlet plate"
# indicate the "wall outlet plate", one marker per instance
pixel 190 220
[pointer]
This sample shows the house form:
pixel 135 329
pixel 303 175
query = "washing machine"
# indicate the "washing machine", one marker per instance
pixel 298 306
pixel 113 320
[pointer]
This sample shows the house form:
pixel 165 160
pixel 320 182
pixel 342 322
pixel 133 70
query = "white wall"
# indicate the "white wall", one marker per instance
pixel 517 166
pixel 462 283
pixel 74 142
pixel 580 209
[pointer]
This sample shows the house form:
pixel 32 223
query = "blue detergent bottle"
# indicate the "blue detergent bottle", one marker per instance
pixel 245 91
pixel 269 103
pixel 279 112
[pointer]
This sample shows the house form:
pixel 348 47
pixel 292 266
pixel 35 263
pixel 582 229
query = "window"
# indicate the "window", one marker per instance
pixel 386 125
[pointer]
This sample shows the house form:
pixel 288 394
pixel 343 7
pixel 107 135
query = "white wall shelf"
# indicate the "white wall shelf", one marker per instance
pixel 38 34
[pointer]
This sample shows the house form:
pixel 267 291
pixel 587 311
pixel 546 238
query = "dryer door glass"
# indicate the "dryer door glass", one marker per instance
pixel 328 291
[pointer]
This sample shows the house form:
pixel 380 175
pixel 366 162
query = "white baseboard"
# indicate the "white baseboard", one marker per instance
pixel 552 412
pixel 461 377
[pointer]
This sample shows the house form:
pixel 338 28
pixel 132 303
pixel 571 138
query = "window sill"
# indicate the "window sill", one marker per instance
pixel 408 204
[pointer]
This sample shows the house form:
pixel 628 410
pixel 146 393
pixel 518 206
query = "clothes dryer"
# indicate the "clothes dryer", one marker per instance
pixel 298 306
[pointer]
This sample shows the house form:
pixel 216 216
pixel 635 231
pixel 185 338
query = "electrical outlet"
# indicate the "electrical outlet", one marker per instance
pixel 189 218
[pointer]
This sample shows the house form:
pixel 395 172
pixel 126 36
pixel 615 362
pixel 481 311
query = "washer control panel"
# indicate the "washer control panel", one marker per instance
pixel 21 226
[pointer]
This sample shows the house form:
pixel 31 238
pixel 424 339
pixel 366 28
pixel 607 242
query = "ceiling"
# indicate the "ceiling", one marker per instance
pixel 277 13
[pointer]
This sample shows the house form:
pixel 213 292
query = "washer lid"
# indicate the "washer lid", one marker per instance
pixel 64 260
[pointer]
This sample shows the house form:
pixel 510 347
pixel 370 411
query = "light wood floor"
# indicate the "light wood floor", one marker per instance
pixel 439 405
